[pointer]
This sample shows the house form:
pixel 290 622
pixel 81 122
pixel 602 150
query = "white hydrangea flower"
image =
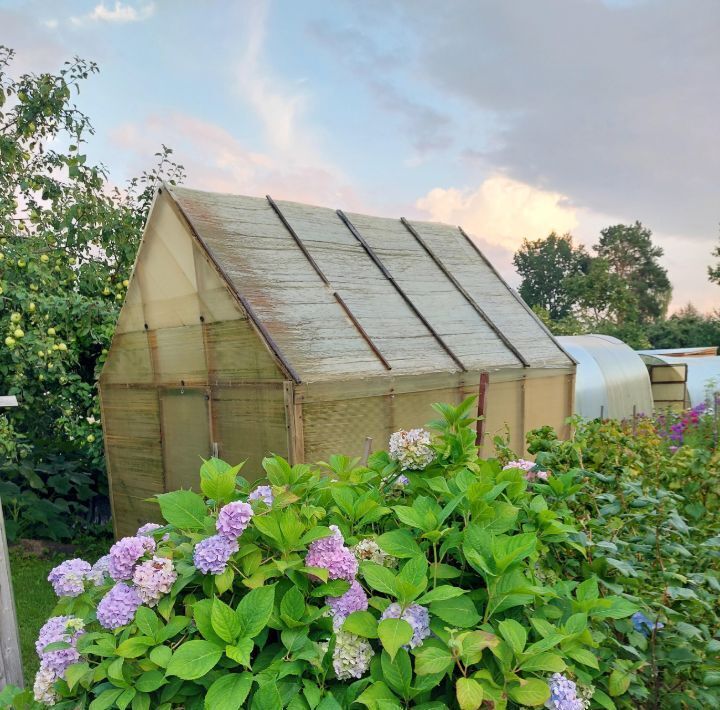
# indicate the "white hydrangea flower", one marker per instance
pixel 411 449
pixel 44 686
pixel 352 656
pixel 368 549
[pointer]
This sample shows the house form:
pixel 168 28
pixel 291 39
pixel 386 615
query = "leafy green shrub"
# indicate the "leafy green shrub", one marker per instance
pixel 649 518
pixel 68 239
pixel 341 585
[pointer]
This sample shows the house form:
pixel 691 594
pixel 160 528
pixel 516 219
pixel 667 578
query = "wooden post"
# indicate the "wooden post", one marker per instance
pixel 10 662
pixel 11 672
pixel 482 407
pixel 367 450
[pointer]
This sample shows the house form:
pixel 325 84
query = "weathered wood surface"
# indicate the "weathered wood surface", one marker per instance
pixel 290 284
pixel 10 661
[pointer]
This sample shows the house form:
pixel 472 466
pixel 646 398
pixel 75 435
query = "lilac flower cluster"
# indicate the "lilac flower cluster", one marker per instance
pixel 563 694
pixel 417 616
pixel 645 626
pixel 263 493
pixel 53 664
pixel 233 519
pixel 353 600
pixel 118 606
pixel 212 554
pixel 411 449
pixel 331 554
pixel 352 656
pixel 68 578
pixel 532 473
pixel 126 553
pixel 153 579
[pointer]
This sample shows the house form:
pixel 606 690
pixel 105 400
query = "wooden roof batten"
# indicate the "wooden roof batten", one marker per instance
pixel 326 281
pixel 505 340
pixel 383 269
pixel 516 296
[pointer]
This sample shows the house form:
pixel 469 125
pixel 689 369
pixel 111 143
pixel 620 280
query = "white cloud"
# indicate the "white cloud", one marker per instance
pixel 120 13
pixel 502 211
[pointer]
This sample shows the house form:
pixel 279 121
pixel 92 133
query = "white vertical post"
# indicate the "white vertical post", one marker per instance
pixel 10 662
pixel 11 672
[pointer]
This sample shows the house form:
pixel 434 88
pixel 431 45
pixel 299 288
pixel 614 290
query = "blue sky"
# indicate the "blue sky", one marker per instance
pixel 511 118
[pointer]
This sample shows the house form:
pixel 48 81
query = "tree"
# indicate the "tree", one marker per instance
pixel 68 239
pixel 544 265
pixel 632 257
pixel 688 328
pixel 714 270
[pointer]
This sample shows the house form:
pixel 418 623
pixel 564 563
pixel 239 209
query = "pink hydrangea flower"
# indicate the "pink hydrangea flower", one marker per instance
pixel 153 579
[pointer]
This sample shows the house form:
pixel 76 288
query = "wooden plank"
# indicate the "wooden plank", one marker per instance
pixel 10 660
pixel 9 401
pixel 482 406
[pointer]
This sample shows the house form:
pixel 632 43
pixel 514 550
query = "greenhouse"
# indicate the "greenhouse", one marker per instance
pixel 253 326
pixel 683 378
pixel 611 379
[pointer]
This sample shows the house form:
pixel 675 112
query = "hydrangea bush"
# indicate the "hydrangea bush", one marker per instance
pixel 647 507
pixel 334 587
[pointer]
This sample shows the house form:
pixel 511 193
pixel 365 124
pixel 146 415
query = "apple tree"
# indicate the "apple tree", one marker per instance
pixel 68 239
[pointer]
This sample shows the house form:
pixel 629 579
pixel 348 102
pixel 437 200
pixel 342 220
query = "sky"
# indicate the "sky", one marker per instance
pixel 513 119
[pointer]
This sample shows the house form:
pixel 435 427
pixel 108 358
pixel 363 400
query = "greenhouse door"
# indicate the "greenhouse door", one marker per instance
pixel 185 428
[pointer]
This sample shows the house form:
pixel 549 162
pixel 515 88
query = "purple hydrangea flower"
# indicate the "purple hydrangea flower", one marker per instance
pixel 331 554
pixel 212 554
pixel 126 553
pixel 354 599
pixel 352 656
pixel 59 628
pixel 154 578
pixel 563 694
pixel 643 625
pixel 233 519
pixel 100 571
pixel 147 529
pixel 117 608
pixel 263 493
pixel 417 616
pixel 68 578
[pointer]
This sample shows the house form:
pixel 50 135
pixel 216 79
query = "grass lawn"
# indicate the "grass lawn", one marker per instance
pixel 34 601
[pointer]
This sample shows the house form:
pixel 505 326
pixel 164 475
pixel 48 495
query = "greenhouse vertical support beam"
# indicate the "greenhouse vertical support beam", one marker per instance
pixel 473 303
pixel 10 662
pixel 383 269
pixel 326 281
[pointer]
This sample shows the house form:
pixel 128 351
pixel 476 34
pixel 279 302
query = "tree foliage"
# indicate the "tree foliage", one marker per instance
pixel 633 258
pixel 686 329
pixel 68 238
pixel 544 265
pixel 621 291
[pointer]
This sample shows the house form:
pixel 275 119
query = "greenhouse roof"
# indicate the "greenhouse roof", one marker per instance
pixel 344 293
